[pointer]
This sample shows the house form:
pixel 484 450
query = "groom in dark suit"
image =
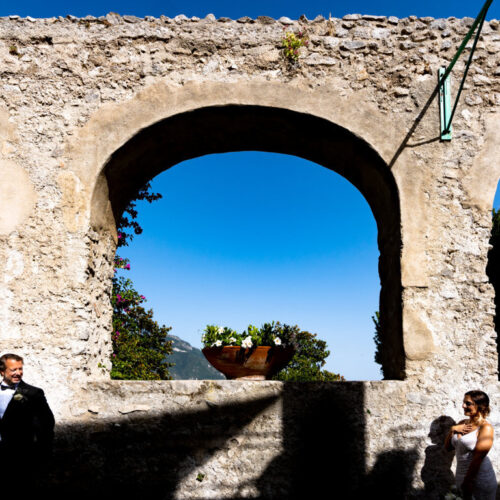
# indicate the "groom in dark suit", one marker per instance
pixel 26 421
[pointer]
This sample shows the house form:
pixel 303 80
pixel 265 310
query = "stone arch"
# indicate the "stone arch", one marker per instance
pixel 162 128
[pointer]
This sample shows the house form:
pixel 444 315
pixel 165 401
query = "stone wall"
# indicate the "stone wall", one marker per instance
pixel 88 111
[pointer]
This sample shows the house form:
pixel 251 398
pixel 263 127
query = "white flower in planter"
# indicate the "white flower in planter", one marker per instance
pixel 232 340
pixel 217 343
pixel 220 329
pixel 247 342
pixel 277 341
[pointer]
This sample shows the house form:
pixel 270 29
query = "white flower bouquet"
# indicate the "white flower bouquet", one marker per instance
pixel 270 334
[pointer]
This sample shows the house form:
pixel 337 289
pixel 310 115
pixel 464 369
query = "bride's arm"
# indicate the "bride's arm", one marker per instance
pixel 483 446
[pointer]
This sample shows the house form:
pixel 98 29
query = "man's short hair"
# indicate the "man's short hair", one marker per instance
pixel 7 356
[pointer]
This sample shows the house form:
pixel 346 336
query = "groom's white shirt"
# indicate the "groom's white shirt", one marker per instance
pixel 5 397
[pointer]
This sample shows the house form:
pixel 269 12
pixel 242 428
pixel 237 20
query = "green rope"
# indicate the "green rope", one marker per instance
pixel 465 76
pixel 478 21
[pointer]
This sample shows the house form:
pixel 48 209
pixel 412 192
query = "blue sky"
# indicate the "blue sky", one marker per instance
pixel 252 237
pixel 235 9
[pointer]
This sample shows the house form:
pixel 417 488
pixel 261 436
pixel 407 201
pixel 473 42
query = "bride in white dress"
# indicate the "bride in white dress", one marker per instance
pixel 472 439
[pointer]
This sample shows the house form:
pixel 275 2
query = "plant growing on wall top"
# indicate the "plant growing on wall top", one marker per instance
pixel 291 44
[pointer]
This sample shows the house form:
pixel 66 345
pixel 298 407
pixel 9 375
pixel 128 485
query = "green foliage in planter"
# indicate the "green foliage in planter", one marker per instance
pixel 310 352
pixel 270 334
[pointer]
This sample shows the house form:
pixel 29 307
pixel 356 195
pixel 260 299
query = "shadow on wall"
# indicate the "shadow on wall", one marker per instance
pixel 323 453
pixel 436 472
pixel 493 272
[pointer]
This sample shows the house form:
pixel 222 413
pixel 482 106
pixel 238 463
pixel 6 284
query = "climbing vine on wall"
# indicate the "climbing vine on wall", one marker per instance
pixel 140 344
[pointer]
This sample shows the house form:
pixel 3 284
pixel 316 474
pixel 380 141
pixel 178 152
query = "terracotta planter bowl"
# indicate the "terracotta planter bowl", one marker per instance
pixel 259 363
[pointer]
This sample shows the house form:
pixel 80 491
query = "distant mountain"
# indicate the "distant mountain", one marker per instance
pixel 190 364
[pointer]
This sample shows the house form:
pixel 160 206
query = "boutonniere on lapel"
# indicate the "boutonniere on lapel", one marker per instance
pixel 19 397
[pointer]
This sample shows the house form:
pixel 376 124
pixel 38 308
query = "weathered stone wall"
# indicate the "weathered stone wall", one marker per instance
pixel 87 109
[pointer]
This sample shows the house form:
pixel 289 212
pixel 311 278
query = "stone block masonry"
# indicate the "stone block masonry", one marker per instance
pixel 92 108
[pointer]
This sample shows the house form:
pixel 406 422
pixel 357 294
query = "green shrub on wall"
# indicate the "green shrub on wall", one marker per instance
pixel 140 344
pixel 308 361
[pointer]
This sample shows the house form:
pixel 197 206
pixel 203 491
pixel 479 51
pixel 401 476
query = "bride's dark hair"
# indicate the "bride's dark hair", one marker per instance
pixel 482 402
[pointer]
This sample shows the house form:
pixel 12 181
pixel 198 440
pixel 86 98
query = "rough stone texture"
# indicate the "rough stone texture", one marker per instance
pixel 91 108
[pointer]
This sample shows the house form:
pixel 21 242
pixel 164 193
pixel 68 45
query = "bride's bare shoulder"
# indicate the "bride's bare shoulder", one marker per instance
pixel 486 427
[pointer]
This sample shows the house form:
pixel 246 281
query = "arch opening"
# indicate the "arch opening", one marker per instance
pixel 249 237
pixel 232 128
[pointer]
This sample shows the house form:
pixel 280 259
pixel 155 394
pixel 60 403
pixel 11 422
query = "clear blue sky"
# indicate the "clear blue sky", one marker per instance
pixel 235 9
pixel 252 237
